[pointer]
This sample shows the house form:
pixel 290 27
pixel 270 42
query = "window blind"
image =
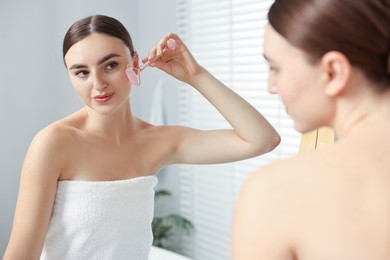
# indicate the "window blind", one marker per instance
pixel 226 37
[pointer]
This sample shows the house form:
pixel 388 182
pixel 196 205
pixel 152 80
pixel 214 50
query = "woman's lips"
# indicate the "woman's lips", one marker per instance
pixel 103 98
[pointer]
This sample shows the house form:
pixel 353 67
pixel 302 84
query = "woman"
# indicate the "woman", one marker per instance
pixel 329 63
pixel 87 180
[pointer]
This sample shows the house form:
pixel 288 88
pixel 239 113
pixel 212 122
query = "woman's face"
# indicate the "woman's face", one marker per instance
pixel 96 67
pixel 296 81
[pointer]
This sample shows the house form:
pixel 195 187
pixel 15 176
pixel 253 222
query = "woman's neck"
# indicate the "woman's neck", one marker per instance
pixel 115 126
pixel 369 111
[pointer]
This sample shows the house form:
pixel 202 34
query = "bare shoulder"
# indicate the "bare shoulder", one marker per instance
pixel 288 185
pixel 269 208
pixel 173 143
pixel 269 182
pixel 173 134
pixel 262 221
pixel 49 149
pixel 53 137
pixel 275 174
pixel 166 129
pixel 167 133
pixel 293 173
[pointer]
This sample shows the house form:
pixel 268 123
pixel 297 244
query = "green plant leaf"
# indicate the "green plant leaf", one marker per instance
pixel 163 227
pixel 162 193
pixel 182 223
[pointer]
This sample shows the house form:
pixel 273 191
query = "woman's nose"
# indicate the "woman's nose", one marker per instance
pixel 99 82
pixel 272 87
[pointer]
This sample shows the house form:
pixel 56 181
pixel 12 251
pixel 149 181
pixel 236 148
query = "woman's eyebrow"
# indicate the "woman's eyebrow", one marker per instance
pixel 105 58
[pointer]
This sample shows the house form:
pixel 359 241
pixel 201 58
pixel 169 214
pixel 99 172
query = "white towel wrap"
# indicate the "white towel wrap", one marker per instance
pixel 101 220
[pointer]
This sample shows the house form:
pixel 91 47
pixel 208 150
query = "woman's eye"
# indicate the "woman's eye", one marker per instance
pixel 82 74
pixel 112 66
pixel 272 68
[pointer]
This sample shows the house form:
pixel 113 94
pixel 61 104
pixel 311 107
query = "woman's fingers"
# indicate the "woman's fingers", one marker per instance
pixel 171 44
pixel 168 44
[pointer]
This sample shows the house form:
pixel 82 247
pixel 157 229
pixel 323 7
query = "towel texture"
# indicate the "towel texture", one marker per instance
pixel 101 220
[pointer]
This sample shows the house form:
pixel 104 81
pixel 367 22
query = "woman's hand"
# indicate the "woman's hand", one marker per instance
pixel 174 58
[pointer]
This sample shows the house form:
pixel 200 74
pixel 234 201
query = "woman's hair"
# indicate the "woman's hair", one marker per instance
pixel 96 24
pixel 360 29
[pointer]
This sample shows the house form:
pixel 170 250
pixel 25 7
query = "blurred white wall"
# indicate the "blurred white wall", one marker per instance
pixel 34 86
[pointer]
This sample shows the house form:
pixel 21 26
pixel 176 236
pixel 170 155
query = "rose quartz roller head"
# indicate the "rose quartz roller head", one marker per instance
pixel 132 76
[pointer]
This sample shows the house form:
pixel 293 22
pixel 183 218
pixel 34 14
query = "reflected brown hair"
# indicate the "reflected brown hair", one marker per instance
pixel 360 29
pixel 96 24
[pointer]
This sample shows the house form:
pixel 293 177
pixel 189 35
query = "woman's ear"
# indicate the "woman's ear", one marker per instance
pixel 337 71
pixel 135 61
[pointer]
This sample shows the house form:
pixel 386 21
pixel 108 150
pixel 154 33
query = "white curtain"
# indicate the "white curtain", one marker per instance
pixel 226 37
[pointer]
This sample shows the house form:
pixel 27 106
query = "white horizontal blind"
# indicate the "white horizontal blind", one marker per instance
pixel 226 37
